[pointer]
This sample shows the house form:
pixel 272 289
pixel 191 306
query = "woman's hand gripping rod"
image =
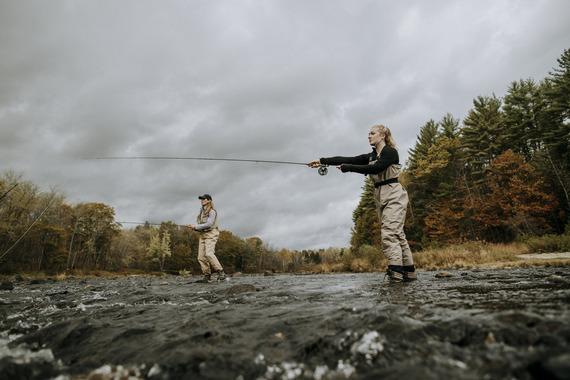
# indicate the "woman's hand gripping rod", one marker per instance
pixel 323 170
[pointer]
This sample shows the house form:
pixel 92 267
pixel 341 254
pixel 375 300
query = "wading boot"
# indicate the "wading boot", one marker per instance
pixel 410 273
pixel 395 273
pixel 221 275
pixel 206 280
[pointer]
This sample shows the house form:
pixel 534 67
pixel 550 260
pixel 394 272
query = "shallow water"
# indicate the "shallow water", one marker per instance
pixel 498 324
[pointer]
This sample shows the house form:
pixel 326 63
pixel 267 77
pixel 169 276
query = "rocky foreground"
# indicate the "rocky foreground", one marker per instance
pixel 500 324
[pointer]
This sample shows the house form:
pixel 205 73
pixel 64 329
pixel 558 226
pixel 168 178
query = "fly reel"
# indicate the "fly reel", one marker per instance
pixel 323 170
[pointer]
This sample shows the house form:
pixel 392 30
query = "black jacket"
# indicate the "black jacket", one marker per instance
pixel 360 164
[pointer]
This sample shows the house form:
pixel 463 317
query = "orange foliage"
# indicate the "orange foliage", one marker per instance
pixel 516 202
pixel 516 198
pixel 444 221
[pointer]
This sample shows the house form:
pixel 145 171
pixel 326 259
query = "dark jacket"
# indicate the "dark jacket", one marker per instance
pixel 360 164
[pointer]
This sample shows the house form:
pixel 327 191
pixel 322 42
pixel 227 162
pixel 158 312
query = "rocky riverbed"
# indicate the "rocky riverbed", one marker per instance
pixel 468 324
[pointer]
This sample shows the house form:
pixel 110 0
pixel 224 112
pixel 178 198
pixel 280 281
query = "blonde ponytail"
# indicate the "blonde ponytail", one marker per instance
pixel 388 135
pixel 209 207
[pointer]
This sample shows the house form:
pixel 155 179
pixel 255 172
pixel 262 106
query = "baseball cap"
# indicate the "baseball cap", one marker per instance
pixel 205 196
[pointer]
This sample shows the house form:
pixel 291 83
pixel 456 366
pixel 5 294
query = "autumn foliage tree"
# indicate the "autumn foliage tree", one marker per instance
pixel 159 248
pixel 517 202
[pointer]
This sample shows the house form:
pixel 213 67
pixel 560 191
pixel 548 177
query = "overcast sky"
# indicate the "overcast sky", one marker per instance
pixel 288 80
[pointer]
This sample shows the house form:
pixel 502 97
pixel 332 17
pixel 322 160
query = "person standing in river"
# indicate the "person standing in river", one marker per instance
pixel 207 227
pixel 383 166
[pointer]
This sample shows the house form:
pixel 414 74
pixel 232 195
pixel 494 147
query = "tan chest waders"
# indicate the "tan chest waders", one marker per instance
pixel 391 204
pixel 207 246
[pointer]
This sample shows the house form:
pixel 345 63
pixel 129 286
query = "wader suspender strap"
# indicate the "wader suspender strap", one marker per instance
pixel 391 180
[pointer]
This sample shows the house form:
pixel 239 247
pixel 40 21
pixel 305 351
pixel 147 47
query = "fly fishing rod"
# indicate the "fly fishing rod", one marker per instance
pixel 323 170
pixel 6 193
pixel 31 225
pixel 153 224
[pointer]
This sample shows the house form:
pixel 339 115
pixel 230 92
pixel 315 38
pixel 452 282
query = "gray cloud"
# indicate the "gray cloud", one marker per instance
pixel 273 80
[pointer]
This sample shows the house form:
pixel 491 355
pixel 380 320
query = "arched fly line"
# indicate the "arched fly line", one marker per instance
pixel 166 224
pixel 322 170
pixel 8 192
pixel 29 228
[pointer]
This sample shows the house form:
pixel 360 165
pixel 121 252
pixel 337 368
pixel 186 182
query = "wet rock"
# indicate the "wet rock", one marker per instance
pixel 37 281
pixel 6 285
pixel 268 273
pixel 458 332
pixel 22 329
pixel 112 372
pixel 242 288
pixel 155 299
pixel 58 293
pixel 557 367
pixel 549 327
pixel 65 305
pixel 520 318
pixel 237 274
pixel 496 275
pixel 557 279
pixel 443 274
pixel 16 278
pixel 22 370
pixel 131 333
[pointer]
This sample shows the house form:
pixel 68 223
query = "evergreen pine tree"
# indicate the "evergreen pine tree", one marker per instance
pixel 366 228
pixel 418 189
pixel 426 139
pixel 481 135
pixel 522 108
pixel 449 126
pixel 556 137
pixel 559 95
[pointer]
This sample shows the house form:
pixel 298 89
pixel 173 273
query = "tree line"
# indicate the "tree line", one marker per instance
pixel 497 176
pixel 39 231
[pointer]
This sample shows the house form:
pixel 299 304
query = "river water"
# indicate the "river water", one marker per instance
pixel 476 324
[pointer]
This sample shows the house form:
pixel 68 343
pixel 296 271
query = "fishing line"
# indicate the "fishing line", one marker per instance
pixel 28 230
pixel 322 170
pixel 6 193
pixel 152 224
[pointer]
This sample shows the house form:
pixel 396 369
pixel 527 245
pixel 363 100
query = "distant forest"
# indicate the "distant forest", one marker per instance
pixel 499 175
